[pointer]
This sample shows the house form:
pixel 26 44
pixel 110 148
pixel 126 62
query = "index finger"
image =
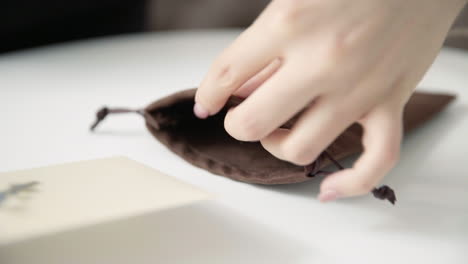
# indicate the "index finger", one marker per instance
pixel 248 54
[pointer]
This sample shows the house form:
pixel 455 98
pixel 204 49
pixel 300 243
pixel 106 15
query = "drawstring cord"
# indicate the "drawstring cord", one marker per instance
pixel 105 111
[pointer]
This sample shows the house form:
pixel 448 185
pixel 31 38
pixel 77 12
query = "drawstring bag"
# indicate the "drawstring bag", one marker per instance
pixel 205 143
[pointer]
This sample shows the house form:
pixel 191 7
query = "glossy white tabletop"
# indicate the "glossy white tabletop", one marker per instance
pixel 48 98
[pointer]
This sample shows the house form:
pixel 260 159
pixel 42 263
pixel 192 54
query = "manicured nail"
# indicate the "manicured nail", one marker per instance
pixel 328 196
pixel 200 112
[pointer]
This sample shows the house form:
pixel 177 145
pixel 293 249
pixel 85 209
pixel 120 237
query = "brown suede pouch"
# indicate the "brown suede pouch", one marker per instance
pixel 205 143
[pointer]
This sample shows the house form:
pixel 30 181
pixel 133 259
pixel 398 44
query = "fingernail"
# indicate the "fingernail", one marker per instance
pixel 328 196
pixel 200 111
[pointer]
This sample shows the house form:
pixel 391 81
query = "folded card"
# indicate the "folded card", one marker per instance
pixel 48 200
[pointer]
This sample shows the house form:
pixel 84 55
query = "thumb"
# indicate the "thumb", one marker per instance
pixel 381 141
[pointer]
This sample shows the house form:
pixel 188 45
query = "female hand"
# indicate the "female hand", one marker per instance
pixel 343 62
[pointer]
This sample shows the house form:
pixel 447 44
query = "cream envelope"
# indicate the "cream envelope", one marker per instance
pixel 74 195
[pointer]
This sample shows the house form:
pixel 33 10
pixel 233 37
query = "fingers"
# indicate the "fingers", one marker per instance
pixel 313 132
pixel 381 141
pixel 248 87
pixel 249 54
pixel 271 105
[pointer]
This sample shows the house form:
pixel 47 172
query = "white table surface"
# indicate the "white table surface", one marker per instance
pixel 48 98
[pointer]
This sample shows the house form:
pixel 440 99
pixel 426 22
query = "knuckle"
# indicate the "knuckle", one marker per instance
pixel 338 47
pixel 288 13
pixel 325 67
pixel 334 55
pixel 341 45
pixel 225 76
pixel 243 127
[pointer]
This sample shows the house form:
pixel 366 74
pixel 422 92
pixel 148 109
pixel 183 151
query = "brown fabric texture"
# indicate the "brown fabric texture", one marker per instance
pixel 205 143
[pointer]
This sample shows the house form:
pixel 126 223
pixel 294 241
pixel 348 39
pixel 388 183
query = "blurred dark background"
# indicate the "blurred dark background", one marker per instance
pixel 28 23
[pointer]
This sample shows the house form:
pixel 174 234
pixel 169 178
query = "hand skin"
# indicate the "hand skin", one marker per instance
pixel 345 62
